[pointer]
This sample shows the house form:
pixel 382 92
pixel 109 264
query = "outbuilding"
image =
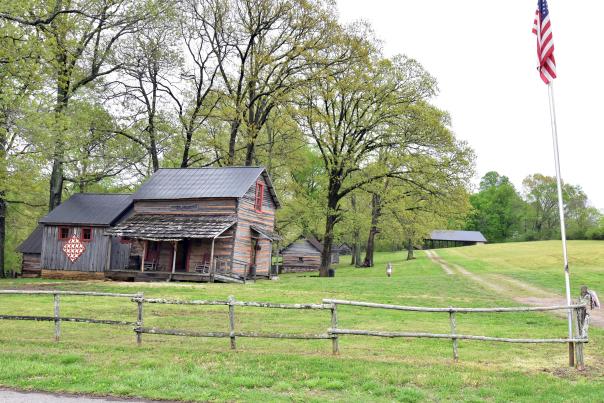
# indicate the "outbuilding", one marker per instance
pixel 449 238
pixel 304 254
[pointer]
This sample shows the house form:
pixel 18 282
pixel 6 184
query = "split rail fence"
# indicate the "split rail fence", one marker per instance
pixel 333 332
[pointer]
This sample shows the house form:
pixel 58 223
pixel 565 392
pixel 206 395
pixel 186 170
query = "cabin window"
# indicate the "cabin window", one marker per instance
pixel 300 259
pixel 259 196
pixel 64 233
pixel 86 235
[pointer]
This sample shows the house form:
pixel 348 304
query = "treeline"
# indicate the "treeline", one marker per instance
pixel 504 214
pixel 96 95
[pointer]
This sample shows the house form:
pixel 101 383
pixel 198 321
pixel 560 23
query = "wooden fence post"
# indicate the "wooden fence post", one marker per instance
pixel 580 314
pixel 453 332
pixel 231 302
pixel 334 325
pixel 57 318
pixel 139 319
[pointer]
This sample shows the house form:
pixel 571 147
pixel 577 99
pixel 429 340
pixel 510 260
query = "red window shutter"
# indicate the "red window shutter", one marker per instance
pixel 259 196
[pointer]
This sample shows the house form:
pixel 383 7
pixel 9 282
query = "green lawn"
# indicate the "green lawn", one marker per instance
pixel 106 361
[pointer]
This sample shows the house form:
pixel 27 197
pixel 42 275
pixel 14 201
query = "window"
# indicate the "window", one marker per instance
pixel 300 259
pixel 64 233
pixel 259 196
pixel 86 234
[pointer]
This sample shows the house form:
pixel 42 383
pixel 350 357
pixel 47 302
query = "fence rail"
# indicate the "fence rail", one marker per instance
pixel 57 318
pixel 333 332
pixel 579 310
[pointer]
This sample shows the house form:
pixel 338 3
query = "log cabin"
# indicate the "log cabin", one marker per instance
pixel 191 224
pixel 204 224
pixel 304 255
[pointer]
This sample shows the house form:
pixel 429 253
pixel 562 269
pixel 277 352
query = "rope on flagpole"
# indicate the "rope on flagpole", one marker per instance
pixel 552 111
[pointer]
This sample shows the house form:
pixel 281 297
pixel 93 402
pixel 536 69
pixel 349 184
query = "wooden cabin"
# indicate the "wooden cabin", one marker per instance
pixel 305 255
pixel 74 244
pixel 344 249
pixel 212 223
pixel 450 239
pixel 31 251
pixel 206 224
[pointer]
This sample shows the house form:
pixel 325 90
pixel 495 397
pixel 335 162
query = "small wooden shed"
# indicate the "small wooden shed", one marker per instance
pixel 31 250
pixel 304 254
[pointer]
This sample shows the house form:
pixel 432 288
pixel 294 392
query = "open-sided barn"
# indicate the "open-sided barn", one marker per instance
pixel 448 239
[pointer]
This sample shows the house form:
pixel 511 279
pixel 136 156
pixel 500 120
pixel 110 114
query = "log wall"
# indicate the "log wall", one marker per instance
pixel 301 256
pixel 265 219
pixel 30 262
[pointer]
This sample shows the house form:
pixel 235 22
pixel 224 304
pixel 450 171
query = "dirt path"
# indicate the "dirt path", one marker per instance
pixel 514 289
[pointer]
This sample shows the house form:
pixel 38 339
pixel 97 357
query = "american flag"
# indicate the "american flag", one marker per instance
pixel 545 43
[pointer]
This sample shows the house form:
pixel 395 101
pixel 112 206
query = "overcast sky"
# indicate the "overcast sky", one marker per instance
pixel 483 55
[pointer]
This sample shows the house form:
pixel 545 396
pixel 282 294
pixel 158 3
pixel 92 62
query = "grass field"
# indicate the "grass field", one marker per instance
pixel 105 360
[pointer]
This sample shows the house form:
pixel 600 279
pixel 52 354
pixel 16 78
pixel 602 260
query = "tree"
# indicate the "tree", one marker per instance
pixel 498 210
pixel 78 38
pixel 541 194
pixel 265 50
pixel 353 113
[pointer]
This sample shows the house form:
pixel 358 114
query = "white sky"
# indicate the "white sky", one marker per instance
pixel 483 55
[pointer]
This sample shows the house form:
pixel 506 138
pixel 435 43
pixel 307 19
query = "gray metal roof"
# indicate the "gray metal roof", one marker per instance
pixel 89 209
pixel 172 227
pixel 33 243
pixel 466 236
pixel 193 183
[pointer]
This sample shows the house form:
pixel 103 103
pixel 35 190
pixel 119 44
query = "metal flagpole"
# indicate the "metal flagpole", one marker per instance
pixel 552 112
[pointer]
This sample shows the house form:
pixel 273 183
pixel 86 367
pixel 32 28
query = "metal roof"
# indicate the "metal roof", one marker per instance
pixel 156 227
pixel 193 183
pixel 465 236
pixel 89 209
pixel 33 243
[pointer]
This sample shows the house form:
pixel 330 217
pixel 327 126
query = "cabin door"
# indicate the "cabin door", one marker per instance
pixel 255 248
pixel 152 252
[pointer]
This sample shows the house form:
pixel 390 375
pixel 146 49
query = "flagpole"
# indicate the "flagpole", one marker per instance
pixel 552 112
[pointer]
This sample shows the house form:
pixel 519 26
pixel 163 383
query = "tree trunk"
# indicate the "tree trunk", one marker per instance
pixel 410 250
pixel 2 233
pixel 374 230
pixel 250 153
pixel 327 245
pixel 330 222
pixel 356 252
pixel 185 153
pixel 233 140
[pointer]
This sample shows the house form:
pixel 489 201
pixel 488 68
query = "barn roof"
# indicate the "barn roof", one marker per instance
pixel 464 236
pixel 33 243
pixel 193 183
pixel 156 227
pixel 89 209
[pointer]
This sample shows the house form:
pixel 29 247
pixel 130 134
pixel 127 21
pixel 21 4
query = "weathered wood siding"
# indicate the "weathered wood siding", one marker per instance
pixel 247 216
pixel 94 259
pixel 30 262
pixel 120 254
pixel 301 256
pixel 192 207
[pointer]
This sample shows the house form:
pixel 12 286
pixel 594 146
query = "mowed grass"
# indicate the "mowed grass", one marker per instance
pixel 105 360
pixel 537 263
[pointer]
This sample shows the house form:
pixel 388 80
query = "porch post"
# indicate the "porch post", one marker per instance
pixel 143 257
pixel 212 261
pixel 174 257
